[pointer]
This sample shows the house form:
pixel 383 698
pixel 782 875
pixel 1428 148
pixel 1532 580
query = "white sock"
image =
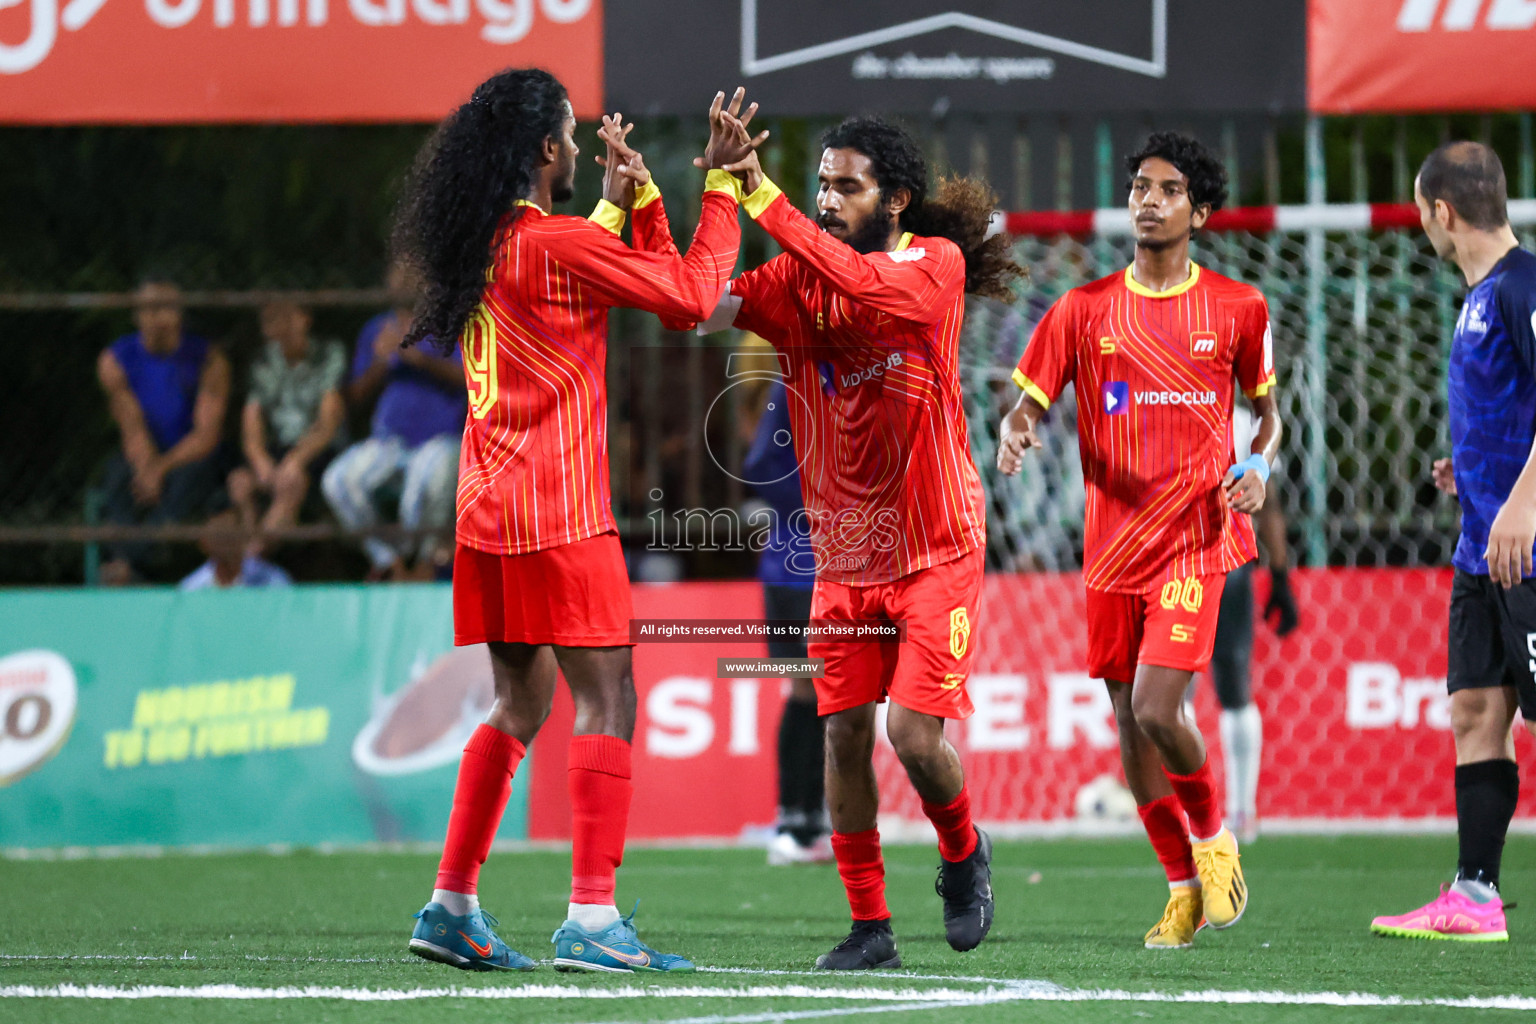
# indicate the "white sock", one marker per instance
pixel 1242 740
pixel 593 917
pixel 1185 883
pixel 456 903
pixel 1477 892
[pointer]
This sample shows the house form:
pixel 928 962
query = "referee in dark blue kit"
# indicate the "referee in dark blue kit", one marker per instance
pixel 1461 194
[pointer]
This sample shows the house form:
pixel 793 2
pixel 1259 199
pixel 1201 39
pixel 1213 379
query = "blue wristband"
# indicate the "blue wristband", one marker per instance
pixel 1257 463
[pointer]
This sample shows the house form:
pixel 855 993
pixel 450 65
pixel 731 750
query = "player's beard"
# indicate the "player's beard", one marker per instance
pixel 875 233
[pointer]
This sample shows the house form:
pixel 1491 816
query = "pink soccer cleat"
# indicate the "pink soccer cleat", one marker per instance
pixel 1449 916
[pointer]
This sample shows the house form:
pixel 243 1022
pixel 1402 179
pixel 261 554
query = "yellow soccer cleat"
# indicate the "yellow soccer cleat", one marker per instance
pixel 1181 919
pixel 1225 894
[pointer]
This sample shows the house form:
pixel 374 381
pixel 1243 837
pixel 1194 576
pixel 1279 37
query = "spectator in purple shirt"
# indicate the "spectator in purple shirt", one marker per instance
pixel 412 447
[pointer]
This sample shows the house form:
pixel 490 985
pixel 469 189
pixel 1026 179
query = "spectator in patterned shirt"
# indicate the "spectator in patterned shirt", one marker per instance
pixel 292 418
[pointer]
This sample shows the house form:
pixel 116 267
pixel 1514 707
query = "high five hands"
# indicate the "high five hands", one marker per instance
pixel 731 146
pixel 623 168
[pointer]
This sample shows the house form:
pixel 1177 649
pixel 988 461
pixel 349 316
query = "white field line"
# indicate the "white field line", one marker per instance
pixel 775 1016
pixel 909 998
pixel 242 992
pixel 215 958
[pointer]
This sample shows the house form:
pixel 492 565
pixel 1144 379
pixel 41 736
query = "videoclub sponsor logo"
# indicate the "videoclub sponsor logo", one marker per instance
pixel 1118 396
pixel 857 377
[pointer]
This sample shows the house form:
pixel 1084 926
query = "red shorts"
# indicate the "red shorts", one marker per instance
pixel 574 595
pixel 1172 625
pixel 927 672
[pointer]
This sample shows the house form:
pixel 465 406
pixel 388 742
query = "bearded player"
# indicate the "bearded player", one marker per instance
pixel 866 304
pixel 1462 197
pixel 539 575
pixel 1153 353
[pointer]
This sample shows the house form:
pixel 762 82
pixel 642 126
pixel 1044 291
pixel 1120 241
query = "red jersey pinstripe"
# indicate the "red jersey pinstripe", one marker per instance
pixel 533 472
pixel 1154 374
pixel 872 345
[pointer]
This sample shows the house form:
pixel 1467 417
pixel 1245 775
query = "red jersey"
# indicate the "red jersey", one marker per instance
pixel 533 471
pixel 1154 376
pixel 871 343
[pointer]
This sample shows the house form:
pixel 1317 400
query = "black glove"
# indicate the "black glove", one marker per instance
pixel 1280 609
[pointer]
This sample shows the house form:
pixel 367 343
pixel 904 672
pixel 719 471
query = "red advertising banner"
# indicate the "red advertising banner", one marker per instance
pixel 1356 719
pixel 173 61
pixel 1403 56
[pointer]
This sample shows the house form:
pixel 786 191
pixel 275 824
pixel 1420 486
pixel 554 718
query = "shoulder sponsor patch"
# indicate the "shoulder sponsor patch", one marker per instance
pixel 907 255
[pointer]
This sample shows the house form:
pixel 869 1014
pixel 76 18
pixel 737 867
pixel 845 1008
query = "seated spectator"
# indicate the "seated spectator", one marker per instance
pixel 413 444
pixel 292 419
pixel 227 544
pixel 168 391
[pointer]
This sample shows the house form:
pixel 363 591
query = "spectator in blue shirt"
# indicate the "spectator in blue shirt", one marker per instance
pixel 168 391
pixel 227 544
pixel 413 445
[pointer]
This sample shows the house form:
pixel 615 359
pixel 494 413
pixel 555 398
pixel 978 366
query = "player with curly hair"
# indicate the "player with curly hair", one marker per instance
pixel 1154 353
pixel 865 306
pixel 539 575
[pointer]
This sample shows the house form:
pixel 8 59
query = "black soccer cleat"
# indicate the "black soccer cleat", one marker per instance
pixel 966 887
pixel 870 945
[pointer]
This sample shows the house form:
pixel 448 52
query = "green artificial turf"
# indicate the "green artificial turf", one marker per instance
pixel 1069 913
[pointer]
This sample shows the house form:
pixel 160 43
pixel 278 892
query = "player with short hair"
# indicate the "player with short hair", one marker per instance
pixel 866 304
pixel 1462 198
pixel 1152 353
pixel 539 575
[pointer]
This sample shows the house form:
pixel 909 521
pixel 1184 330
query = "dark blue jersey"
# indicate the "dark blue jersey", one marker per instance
pixel 1492 397
pixel 773 470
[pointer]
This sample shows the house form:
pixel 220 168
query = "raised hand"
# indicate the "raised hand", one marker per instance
pixel 623 168
pixel 729 141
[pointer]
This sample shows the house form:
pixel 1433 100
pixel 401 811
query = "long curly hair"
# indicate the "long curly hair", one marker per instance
pixel 1206 173
pixel 959 210
pixel 461 190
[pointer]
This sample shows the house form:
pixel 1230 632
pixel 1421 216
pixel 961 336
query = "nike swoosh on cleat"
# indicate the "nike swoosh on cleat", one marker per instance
pixel 482 950
pixel 633 959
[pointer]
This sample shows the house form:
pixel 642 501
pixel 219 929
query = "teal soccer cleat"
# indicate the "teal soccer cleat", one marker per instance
pixel 617 950
pixel 467 942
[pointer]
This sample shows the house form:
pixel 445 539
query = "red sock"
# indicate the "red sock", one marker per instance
pixel 957 836
pixel 479 798
pixel 863 872
pixel 1164 820
pixel 599 778
pixel 1197 793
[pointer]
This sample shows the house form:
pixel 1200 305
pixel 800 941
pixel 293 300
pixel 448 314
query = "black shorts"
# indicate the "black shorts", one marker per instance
pixel 1493 638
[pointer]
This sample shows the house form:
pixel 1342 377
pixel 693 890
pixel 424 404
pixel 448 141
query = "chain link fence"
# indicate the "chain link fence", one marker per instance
pixel 1361 340
pixel 1361 325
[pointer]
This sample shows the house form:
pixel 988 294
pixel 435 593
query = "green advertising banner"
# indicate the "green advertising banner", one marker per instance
pixel 238 718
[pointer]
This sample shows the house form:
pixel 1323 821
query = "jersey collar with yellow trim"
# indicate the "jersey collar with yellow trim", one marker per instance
pixel 1137 288
pixel 906 240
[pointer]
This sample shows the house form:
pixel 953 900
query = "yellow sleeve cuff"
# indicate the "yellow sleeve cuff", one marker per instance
pixel 608 216
pixel 1031 389
pixel 717 180
pixel 646 194
pixel 760 200
pixel 1263 389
